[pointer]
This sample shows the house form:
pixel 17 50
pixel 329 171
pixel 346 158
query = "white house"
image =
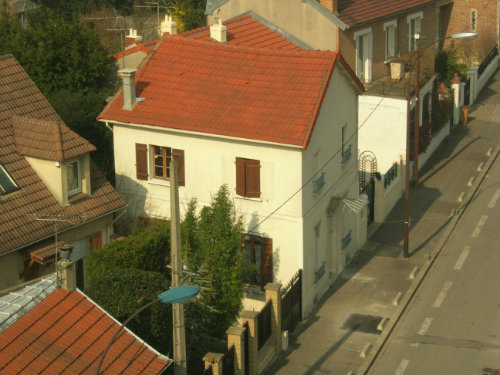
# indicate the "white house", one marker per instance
pixel 277 124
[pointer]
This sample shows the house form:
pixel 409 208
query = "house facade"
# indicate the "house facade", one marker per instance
pixel 276 124
pixel 47 181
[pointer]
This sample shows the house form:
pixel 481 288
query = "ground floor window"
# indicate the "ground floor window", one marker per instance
pixel 259 252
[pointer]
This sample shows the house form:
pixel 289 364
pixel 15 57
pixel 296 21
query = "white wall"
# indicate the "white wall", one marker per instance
pixel 209 163
pixel 311 24
pixel 384 133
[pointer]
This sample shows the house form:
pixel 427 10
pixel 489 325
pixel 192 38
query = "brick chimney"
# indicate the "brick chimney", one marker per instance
pixel 218 31
pixel 132 38
pixel 331 5
pixel 168 26
pixel 129 96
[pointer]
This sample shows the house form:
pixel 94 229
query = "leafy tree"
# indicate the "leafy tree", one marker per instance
pixel 212 240
pixel 122 291
pixel 145 249
pixel 189 14
pixel 447 63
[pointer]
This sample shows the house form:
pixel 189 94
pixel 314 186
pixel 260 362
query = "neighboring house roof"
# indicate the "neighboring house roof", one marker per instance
pixel 16 303
pixel 19 96
pixel 355 12
pixel 66 333
pixel 45 139
pixel 146 48
pixel 252 31
pixel 227 90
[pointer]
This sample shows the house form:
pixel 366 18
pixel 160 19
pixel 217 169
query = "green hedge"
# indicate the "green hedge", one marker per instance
pixel 146 249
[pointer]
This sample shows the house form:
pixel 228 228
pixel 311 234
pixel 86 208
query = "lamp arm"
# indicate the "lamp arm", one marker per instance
pixel 131 317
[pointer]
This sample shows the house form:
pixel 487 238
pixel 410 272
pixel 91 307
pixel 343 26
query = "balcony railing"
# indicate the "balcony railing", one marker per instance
pixel 346 154
pixel 391 175
pixel 318 183
pixel 346 239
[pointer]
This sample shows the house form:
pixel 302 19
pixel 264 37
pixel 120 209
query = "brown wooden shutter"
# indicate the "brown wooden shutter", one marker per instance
pixel 266 248
pixel 96 241
pixel 240 176
pixel 253 178
pixel 179 159
pixel 141 161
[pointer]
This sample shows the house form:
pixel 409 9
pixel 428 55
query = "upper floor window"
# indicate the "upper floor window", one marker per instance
pixel 473 20
pixel 74 178
pixel 390 38
pixel 159 162
pixel 248 178
pixel 364 54
pixel 414 27
pixel 7 184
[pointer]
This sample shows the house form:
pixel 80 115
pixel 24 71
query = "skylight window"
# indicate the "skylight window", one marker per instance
pixel 7 184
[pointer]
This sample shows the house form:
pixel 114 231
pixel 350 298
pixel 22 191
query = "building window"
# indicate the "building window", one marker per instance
pixel 74 178
pixel 390 37
pixel 473 19
pixel 414 25
pixel 364 54
pixel 7 184
pixel 248 178
pixel 259 253
pixel 346 149
pixel 319 266
pixel 159 162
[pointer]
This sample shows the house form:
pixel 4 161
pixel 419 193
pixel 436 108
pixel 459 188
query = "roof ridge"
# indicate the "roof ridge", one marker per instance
pixel 205 28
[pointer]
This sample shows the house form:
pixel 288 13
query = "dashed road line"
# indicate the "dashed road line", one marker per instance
pixel 480 167
pixel 471 180
pixel 461 197
pixel 442 295
pixel 402 367
pixel 494 199
pixel 461 258
pixel 425 326
pixel 479 226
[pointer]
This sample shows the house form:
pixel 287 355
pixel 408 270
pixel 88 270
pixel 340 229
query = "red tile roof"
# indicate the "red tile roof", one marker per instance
pixel 146 47
pixel 355 12
pixel 65 334
pixel 223 89
pixel 19 96
pixel 246 31
pixel 50 140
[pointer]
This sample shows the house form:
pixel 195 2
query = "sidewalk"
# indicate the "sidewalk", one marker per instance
pixel 343 327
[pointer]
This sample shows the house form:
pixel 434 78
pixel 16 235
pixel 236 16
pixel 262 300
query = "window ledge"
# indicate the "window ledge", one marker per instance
pixel 159 182
pixel 248 199
pixel 77 198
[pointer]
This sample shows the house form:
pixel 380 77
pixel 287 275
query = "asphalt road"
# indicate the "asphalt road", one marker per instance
pixel 452 325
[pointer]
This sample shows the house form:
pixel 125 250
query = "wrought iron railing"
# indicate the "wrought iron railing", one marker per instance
pixel 391 175
pixel 318 183
pixel 346 154
pixel 346 239
pixel 493 53
pixel 264 324
pixel 228 362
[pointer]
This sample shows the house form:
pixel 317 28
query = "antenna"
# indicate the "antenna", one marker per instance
pixel 58 218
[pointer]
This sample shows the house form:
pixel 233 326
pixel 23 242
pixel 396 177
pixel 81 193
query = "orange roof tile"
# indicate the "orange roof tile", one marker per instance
pixel 229 90
pixel 19 96
pixel 355 12
pixel 65 334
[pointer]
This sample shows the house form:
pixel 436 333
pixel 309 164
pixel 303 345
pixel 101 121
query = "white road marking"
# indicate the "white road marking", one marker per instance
pixel 461 197
pixel 402 367
pixel 480 167
pixel 471 180
pixel 425 326
pixel 479 226
pixel 494 199
pixel 415 344
pixel 442 295
pixel 462 258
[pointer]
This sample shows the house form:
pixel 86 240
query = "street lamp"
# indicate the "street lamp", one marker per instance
pixel 406 220
pixel 176 295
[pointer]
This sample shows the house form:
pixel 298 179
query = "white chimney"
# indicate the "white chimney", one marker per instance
pixel 129 97
pixel 168 26
pixel 133 34
pixel 218 32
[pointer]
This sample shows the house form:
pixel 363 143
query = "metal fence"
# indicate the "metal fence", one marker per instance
pixel 208 371
pixel 264 324
pixel 493 53
pixel 467 92
pixel 246 342
pixel 291 303
pixel 391 175
pixel 228 362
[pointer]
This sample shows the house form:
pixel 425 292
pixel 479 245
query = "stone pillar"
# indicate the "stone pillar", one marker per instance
pixel 250 317
pixel 273 293
pixel 214 359
pixel 473 74
pixel 235 336
pixel 455 86
pixel 67 273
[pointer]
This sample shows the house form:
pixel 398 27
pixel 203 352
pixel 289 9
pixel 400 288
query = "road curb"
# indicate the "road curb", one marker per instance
pixel 378 345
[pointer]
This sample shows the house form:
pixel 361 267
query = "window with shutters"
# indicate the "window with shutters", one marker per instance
pixel 259 252
pixel 159 162
pixel 248 178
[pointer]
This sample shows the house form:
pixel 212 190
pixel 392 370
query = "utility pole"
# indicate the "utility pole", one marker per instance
pixel 179 328
pixel 406 219
pixel 416 138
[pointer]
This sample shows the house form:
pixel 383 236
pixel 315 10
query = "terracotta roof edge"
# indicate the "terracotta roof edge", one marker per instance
pixel 58 142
